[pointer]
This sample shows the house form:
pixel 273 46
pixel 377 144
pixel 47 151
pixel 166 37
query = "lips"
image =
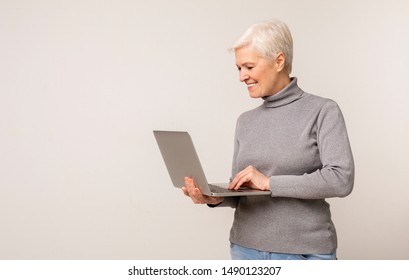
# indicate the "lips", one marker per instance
pixel 249 86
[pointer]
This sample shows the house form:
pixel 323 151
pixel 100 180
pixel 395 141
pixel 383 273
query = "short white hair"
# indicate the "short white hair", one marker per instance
pixel 268 38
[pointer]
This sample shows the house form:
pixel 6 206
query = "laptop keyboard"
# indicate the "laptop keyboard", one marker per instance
pixel 217 189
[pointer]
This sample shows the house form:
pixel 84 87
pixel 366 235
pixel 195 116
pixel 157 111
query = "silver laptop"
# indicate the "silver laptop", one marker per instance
pixel 182 161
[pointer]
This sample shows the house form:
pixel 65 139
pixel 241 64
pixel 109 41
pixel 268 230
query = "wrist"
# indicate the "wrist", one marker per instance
pixel 266 183
pixel 216 201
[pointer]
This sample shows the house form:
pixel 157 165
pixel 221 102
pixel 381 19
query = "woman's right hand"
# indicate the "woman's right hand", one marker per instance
pixel 196 195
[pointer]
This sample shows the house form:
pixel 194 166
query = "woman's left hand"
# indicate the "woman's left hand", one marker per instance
pixel 250 177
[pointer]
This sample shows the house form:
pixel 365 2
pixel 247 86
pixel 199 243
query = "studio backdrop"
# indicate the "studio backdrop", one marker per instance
pixel 84 84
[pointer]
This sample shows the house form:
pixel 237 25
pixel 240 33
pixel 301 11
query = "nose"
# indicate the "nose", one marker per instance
pixel 243 75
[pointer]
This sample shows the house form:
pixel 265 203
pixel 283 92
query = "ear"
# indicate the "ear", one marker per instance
pixel 280 61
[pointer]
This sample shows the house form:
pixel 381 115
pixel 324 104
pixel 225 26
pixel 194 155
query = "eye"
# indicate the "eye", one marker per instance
pixel 246 67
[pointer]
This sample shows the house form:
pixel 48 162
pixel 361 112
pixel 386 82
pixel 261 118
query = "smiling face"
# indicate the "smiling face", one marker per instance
pixel 263 76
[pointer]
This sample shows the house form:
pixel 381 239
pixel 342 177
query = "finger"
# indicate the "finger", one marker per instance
pixel 242 177
pixel 194 192
pixel 242 180
pixel 197 197
pixel 185 191
pixel 239 176
pixel 190 189
pixel 194 189
pixel 233 183
pixel 235 180
pixel 190 185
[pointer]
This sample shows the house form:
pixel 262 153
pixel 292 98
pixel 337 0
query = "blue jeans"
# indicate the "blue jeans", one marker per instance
pixel 241 253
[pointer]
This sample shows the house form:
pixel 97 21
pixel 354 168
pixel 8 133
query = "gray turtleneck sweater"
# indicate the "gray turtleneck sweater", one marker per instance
pixel 300 141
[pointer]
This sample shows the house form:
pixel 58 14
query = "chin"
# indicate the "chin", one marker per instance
pixel 254 95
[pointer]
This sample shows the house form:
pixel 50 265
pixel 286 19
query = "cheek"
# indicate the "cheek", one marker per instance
pixel 263 73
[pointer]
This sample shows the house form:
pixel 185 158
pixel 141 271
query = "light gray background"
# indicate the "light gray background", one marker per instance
pixel 84 83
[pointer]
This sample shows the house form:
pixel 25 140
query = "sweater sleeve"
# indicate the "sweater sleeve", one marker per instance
pixel 336 176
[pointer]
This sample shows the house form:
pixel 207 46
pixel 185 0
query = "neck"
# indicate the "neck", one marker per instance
pixel 287 95
pixel 282 81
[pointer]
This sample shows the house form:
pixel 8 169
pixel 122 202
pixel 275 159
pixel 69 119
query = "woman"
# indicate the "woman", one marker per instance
pixel 295 144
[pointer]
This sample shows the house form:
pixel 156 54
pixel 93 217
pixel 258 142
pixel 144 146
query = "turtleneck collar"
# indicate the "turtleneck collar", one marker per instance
pixel 285 96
